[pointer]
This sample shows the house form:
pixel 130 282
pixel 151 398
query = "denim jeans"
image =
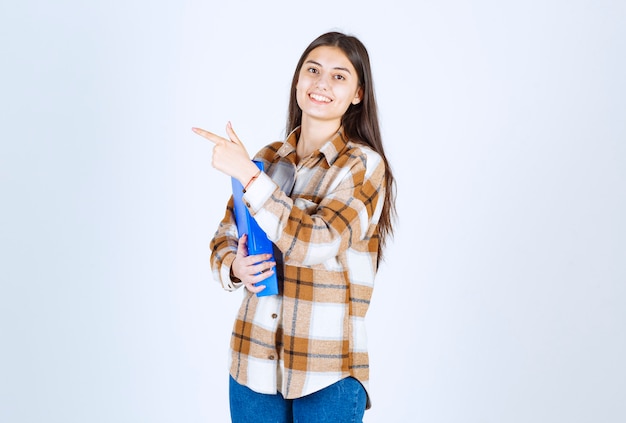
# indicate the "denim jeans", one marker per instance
pixel 341 402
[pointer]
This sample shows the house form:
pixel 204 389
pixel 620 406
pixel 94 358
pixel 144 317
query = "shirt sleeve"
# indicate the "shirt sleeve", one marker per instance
pixel 224 249
pixel 348 214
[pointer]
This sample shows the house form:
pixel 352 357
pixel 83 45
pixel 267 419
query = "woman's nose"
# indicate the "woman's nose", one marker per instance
pixel 322 81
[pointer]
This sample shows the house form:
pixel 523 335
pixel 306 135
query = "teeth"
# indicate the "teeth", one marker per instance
pixel 320 98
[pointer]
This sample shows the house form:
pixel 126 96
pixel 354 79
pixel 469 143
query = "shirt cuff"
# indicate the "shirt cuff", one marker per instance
pixel 227 283
pixel 259 191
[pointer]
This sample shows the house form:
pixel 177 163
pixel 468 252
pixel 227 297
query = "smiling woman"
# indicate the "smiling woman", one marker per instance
pixel 325 199
pixel 327 86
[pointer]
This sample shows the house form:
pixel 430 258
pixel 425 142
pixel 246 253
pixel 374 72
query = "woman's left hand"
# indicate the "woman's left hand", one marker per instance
pixel 230 155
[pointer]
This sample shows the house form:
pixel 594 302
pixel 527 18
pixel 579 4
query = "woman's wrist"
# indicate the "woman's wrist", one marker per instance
pixel 256 175
pixel 248 175
pixel 233 277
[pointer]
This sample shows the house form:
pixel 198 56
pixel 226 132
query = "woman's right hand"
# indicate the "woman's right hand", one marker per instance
pixel 230 155
pixel 251 269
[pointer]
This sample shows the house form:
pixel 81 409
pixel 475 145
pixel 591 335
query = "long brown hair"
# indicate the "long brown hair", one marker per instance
pixel 360 122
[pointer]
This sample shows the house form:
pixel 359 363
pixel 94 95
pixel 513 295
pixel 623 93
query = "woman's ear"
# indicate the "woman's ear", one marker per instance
pixel 358 97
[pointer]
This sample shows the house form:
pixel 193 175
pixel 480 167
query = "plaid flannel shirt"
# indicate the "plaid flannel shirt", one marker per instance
pixel 322 215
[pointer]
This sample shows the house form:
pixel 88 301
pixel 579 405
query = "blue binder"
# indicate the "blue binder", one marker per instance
pixel 258 242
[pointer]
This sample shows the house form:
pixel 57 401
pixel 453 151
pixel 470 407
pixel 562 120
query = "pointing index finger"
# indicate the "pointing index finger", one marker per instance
pixel 209 135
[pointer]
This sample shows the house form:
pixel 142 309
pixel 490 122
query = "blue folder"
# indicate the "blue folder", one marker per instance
pixel 258 242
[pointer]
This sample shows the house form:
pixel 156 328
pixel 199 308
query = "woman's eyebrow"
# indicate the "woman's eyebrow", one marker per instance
pixel 336 68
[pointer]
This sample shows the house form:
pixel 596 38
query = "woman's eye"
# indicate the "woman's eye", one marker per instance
pixel 340 77
pixel 312 70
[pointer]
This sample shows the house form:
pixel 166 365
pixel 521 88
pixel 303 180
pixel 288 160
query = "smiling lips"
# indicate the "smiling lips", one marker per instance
pixel 321 98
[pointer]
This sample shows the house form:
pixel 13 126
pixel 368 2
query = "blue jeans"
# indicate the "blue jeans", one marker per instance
pixel 341 402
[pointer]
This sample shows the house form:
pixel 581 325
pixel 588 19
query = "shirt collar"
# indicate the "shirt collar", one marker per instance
pixel 331 149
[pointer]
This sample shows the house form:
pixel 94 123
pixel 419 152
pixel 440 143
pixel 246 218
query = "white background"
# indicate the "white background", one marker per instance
pixel 503 295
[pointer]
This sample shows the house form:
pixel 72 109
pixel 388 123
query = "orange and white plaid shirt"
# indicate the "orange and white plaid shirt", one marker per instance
pixel 322 216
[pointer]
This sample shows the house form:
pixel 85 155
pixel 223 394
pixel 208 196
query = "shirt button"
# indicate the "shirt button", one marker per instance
pixel 247 204
pixel 271 357
pixel 274 316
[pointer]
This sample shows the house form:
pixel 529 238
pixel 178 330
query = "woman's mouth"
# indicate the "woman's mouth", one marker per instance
pixel 320 98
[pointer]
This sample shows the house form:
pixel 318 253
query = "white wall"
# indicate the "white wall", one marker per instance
pixel 502 298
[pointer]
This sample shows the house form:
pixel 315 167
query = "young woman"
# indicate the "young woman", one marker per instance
pixel 326 201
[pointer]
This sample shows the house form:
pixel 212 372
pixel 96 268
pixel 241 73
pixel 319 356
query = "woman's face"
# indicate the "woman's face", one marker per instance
pixel 327 85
